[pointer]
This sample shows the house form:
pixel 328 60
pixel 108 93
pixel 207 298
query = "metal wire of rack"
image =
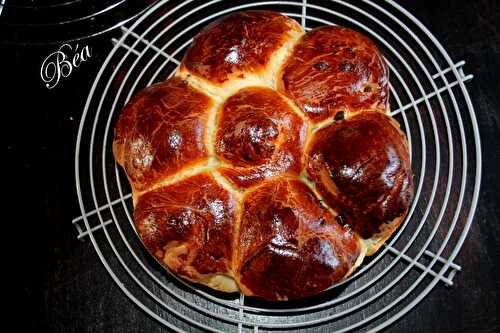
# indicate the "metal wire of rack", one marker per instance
pixel 27 22
pixel 429 99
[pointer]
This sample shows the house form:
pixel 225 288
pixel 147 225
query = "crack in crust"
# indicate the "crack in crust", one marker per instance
pixel 267 164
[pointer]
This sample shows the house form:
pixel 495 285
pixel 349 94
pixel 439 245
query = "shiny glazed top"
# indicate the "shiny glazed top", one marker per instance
pixel 361 167
pixel 189 225
pixel 335 69
pixel 238 44
pixel 259 136
pixel 289 245
pixel 161 131
pixel 276 187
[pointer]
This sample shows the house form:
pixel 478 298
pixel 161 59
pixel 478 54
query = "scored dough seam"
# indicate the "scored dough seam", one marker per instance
pixel 211 130
pixel 280 57
pixel 327 122
pixel 363 247
pixel 238 200
pixel 304 177
pixel 296 109
pixel 176 177
pixel 200 84
pixel 318 126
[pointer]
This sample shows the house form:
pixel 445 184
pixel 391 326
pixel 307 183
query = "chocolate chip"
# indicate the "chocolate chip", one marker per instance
pixel 322 221
pixel 185 80
pixel 343 222
pixel 367 89
pixel 345 67
pixel 339 115
pixel 310 195
pixel 321 66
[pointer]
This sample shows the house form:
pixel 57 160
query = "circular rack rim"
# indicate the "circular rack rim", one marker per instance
pixel 241 306
pixel 89 17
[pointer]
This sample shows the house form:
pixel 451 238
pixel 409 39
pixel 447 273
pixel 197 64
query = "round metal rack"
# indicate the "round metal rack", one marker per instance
pixel 428 97
pixel 42 22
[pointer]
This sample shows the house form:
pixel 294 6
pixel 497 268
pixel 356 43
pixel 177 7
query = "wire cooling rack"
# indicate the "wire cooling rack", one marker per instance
pixel 428 97
pixel 41 22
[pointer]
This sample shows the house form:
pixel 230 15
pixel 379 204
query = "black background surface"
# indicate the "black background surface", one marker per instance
pixel 56 283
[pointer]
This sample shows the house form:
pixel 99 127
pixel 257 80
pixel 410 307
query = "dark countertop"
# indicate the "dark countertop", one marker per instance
pixel 58 283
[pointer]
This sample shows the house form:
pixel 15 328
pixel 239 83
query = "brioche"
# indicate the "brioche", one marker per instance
pixel 268 164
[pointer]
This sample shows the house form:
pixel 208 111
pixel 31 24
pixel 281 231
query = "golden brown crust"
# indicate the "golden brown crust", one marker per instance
pixel 188 226
pixel 227 174
pixel 289 245
pixel 259 136
pixel 237 45
pixel 335 69
pixel 361 166
pixel 161 131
